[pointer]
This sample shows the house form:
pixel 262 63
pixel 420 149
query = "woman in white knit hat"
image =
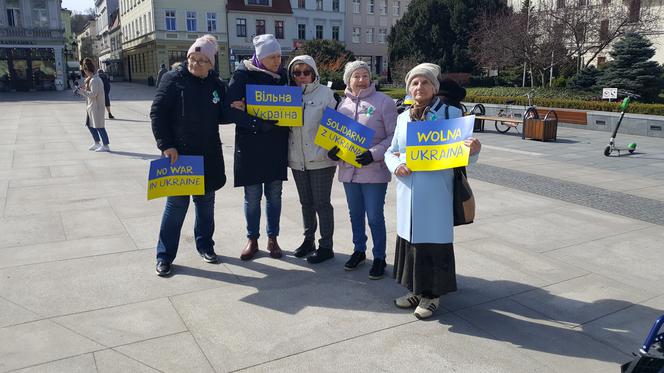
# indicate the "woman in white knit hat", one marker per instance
pixel 424 255
pixel 261 147
pixel 366 187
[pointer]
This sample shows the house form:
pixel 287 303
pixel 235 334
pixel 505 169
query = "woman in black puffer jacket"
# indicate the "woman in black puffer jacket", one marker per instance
pixel 261 148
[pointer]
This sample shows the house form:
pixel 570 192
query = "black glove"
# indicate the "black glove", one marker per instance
pixel 265 125
pixel 332 154
pixel 364 158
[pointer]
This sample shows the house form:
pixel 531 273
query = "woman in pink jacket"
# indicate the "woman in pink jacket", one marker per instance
pixel 366 186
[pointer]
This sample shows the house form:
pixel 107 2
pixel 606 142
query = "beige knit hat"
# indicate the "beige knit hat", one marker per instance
pixel 206 44
pixel 428 70
pixel 352 66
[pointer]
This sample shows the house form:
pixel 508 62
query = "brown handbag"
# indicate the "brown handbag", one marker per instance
pixel 464 201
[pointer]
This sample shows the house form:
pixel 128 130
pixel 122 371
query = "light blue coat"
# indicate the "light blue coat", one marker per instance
pixel 424 198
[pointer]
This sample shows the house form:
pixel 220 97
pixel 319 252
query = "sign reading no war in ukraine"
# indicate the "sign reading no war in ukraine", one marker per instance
pixel 277 103
pixel 350 137
pixel 437 145
pixel 183 178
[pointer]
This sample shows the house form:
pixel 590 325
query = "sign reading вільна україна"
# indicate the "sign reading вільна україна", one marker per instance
pixel 183 178
pixel 350 137
pixel 277 103
pixel 437 145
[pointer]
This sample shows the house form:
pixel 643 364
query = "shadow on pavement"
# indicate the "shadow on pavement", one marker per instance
pixel 136 155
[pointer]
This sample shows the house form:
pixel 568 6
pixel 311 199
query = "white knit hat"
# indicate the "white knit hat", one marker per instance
pixel 428 70
pixel 352 66
pixel 266 45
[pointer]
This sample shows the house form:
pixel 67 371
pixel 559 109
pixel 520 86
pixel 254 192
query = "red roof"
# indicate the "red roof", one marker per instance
pixel 278 6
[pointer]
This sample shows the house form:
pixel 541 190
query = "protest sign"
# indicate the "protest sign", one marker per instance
pixel 184 177
pixel 277 103
pixel 350 137
pixel 437 145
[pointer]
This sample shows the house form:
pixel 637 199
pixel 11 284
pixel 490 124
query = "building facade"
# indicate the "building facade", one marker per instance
pixel 368 22
pixel 31 45
pixel 319 19
pixel 161 31
pixel 107 13
pixel 87 42
pixel 248 18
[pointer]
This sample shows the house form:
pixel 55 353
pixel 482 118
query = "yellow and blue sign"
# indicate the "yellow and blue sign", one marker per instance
pixel 183 178
pixel 351 137
pixel 438 145
pixel 276 103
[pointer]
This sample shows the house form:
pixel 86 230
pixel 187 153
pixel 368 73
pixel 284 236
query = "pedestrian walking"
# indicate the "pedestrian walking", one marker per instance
pixel 312 170
pixel 261 147
pixel 186 113
pixel 424 254
pixel 93 91
pixel 107 91
pixel 160 74
pixel 365 187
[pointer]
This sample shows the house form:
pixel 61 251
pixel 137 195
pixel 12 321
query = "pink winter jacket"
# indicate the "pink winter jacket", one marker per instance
pixel 377 111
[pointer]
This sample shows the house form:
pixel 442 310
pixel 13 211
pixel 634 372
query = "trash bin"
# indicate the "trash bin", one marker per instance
pixel 151 81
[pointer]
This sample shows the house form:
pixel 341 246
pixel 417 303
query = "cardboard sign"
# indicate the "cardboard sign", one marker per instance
pixel 438 145
pixel 350 137
pixel 183 178
pixel 277 103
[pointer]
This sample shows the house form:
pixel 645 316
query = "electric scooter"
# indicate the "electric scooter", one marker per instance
pixel 612 146
pixel 650 358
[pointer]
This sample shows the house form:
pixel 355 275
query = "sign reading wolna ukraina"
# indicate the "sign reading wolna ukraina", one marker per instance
pixel 182 178
pixel 277 103
pixel 350 137
pixel 438 145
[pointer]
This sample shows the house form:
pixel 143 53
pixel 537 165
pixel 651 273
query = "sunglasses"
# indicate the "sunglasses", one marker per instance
pixel 305 73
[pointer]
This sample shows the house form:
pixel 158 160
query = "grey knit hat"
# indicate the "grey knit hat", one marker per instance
pixel 352 66
pixel 266 45
pixel 428 70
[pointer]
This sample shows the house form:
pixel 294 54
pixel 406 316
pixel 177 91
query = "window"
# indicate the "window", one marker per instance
pixel 601 61
pixel 241 27
pixel 319 31
pixel 560 4
pixel 170 20
pixel 356 34
pixel 302 4
pixel 259 2
pixel 369 34
pixel 606 2
pixel 383 7
pixel 396 8
pixel 260 26
pixel 212 22
pixel 191 21
pixel 370 6
pixel 13 13
pixel 604 30
pixel 382 35
pixel 279 29
pixel 356 6
pixel 634 10
pixel 319 4
pixel 583 2
pixel 140 27
pixel 335 5
pixel 39 14
pixel 335 33
pixel 301 31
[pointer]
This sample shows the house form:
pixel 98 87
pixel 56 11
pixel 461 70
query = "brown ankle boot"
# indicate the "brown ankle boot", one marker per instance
pixel 250 250
pixel 273 247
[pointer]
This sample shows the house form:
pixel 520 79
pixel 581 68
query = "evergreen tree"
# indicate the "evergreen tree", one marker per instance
pixel 631 69
pixel 584 79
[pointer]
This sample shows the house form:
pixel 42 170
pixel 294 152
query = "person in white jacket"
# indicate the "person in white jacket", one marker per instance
pixel 312 170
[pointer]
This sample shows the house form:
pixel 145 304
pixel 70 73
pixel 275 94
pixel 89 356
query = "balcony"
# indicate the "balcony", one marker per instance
pixel 31 33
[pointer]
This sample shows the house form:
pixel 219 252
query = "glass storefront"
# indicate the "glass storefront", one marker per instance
pixel 24 69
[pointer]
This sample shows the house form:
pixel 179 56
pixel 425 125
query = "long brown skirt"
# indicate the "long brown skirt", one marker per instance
pixel 426 269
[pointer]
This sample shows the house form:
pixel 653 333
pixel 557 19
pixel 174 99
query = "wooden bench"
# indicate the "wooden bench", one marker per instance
pixel 511 122
pixel 566 116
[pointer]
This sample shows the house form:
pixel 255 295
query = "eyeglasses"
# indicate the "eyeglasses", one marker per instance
pixel 198 61
pixel 305 73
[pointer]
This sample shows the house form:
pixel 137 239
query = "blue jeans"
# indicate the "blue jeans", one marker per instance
pixel 367 199
pixel 173 218
pixel 96 132
pixel 252 207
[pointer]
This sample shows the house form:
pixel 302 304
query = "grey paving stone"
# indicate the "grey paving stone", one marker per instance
pixel 136 205
pixel 126 324
pixel 3 189
pixel 582 299
pixel 110 361
pixel 70 170
pixel 13 174
pixel 12 314
pixel 95 223
pixel 77 364
pixel 39 342
pixel 27 230
pixel 175 353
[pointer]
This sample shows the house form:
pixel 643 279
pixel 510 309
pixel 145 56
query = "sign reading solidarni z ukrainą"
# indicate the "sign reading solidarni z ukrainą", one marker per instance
pixel 276 103
pixel 350 137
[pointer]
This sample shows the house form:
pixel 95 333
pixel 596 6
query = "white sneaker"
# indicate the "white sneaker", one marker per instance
pixel 426 308
pixel 409 300
pixel 94 146
pixel 103 148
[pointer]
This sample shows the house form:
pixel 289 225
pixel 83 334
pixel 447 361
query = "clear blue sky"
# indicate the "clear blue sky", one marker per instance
pixel 78 5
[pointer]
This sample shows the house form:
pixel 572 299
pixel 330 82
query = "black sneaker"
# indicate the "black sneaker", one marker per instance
pixel 304 249
pixel 377 269
pixel 163 268
pixel 355 260
pixel 320 255
pixel 210 257
pixel 110 116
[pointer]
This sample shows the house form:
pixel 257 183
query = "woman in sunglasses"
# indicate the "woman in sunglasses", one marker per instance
pixel 312 170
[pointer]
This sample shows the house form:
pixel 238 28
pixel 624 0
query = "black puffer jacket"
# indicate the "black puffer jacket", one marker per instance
pixel 260 157
pixel 186 113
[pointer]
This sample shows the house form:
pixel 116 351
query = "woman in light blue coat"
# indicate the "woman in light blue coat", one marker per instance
pixel 424 257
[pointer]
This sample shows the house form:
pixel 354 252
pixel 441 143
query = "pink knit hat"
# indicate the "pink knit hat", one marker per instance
pixel 206 44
